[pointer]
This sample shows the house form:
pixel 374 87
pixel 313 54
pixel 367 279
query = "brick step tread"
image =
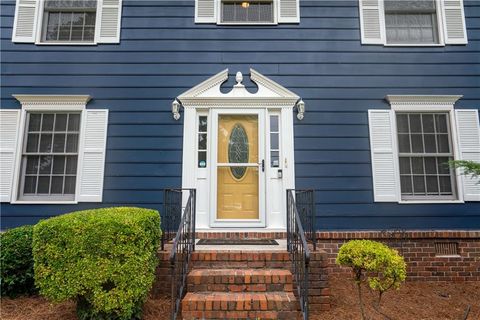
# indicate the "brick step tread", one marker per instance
pixel 226 255
pixel 224 301
pixel 236 315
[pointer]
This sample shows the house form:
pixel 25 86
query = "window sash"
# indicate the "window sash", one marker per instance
pixel 236 5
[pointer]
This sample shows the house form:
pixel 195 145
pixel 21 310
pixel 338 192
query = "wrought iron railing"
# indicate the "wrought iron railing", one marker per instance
pixel 299 252
pixel 305 203
pixel 171 215
pixel 183 246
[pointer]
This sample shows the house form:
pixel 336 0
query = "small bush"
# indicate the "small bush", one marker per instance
pixel 104 258
pixel 377 264
pixel 16 261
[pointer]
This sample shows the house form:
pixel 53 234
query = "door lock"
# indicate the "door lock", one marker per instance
pixel 279 173
pixel 263 165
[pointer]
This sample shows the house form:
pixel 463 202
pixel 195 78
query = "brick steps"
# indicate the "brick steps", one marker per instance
pixel 241 259
pixel 227 305
pixel 240 280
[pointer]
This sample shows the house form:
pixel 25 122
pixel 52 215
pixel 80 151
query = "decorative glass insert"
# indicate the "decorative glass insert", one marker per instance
pixel 238 150
pixel 411 22
pixel 274 142
pixel 69 20
pixel 424 145
pixel 247 11
pixel 50 155
pixel 202 141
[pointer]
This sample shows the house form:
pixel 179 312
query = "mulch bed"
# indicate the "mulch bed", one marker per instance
pixel 415 300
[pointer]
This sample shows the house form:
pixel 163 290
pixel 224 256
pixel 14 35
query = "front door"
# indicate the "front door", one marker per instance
pixel 239 169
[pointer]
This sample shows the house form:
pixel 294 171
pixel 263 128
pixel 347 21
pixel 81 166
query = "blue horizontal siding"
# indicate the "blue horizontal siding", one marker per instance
pixel 163 53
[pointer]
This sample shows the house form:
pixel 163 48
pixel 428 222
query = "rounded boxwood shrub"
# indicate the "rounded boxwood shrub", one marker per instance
pixel 16 261
pixel 104 258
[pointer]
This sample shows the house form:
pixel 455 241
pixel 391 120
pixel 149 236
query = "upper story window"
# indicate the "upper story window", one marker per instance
pixel 247 11
pixel 412 22
pixel 67 22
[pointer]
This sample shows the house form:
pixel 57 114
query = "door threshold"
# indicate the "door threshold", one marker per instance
pixel 247 230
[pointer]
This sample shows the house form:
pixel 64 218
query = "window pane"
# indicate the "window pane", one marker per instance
pixel 202 159
pixel 61 122
pixel 46 143
pixel 445 185
pixel 404 143
pixel 273 123
pixel 432 185
pixel 406 184
pixel 405 165
pixel 71 165
pixel 417 143
pixel 275 159
pixel 417 165
pixel 30 184
pixel 32 165
pixel 43 185
pixel 202 127
pixel 72 142
pixel 61 4
pixel 57 185
pixel 431 165
pixel 441 123
pixel 32 142
pixel 430 143
pixel 73 122
pixel 415 123
pixel 402 123
pixel 69 185
pixel 428 123
pixel 419 185
pixel 46 164
pixel 443 145
pixel 65 25
pixel 202 141
pixel 47 122
pixel 34 122
pixel 274 141
pixel 252 11
pixel 88 33
pixel 58 164
pixel 443 166
pixel 59 142
pixel 52 26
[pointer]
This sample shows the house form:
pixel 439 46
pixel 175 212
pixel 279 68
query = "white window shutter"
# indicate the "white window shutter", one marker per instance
pixel 110 18
pixel 468 133
pixel 206 11
pixel 25 23
pixel 383 152
pixel 92 159
pixel 9 126
pixel 454 22
pixel 372 21
pixel 289 11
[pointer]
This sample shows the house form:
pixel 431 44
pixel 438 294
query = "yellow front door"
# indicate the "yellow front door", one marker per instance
pixel 237 167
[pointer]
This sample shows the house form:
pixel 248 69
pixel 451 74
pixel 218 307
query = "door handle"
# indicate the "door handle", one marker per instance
pixel 263 165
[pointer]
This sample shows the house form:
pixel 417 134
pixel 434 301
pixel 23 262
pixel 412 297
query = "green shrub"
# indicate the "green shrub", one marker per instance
pixel 377 264
pixel 16 262
pixel 104 258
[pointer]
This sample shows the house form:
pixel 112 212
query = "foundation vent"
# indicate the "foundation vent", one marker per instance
pixel 446 249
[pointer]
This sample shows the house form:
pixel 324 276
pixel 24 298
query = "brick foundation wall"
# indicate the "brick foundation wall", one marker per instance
pixel 418 249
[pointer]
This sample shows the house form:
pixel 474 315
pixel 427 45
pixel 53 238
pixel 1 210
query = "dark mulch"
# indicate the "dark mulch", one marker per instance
pixel 415 300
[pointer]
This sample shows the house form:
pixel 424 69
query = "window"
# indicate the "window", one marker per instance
pixel 202 141
pixel 247 11
pixel 424 143
pixel 50 156
pixel 274 141
pixel 69 20
pixel 410 22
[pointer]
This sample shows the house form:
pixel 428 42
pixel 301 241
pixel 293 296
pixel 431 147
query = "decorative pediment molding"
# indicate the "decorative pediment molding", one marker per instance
pixel 208 94
pixel 422 100
pixel 44 102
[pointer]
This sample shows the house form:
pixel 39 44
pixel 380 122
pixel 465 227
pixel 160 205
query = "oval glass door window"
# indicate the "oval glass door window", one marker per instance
pixel 238 150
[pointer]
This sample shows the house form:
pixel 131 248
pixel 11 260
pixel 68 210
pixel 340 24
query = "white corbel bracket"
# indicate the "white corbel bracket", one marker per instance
pixel 300 109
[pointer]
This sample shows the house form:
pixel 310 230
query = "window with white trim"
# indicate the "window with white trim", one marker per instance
pixel 202 141
pixel 274 141
pixel 239 12
pixel 67 21
pixel 424 150
pixel 412 22
pixel 50 156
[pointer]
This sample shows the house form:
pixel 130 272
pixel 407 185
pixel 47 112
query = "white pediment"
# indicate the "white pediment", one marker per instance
pixel 208 93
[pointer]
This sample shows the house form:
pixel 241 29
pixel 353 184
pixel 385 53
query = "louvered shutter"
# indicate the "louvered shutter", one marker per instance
pixel 110 16
pixel 25 23
pixel 205 11
pixel 92 160
pixel 372 21
pixel 454 22
pixel 469 147
pixel 383 153
pixel 9 125
pixel 288 11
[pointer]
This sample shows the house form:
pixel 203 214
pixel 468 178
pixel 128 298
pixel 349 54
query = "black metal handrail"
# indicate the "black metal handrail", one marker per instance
pixel 305 204
pixel 299 252
pixel 183 246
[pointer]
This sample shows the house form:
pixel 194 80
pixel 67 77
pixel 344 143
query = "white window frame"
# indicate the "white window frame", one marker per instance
pixel 40 28
pixel 423 104
pixel 440 29
pixel 219 16
pixel 32 103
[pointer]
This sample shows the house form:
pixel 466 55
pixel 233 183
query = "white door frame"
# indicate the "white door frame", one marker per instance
pixel 239 223
pixel 207 99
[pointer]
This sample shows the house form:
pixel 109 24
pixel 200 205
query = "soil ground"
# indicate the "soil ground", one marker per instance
pixel 415 300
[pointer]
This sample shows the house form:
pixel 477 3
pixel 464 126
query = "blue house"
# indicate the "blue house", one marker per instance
pixel 362 101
